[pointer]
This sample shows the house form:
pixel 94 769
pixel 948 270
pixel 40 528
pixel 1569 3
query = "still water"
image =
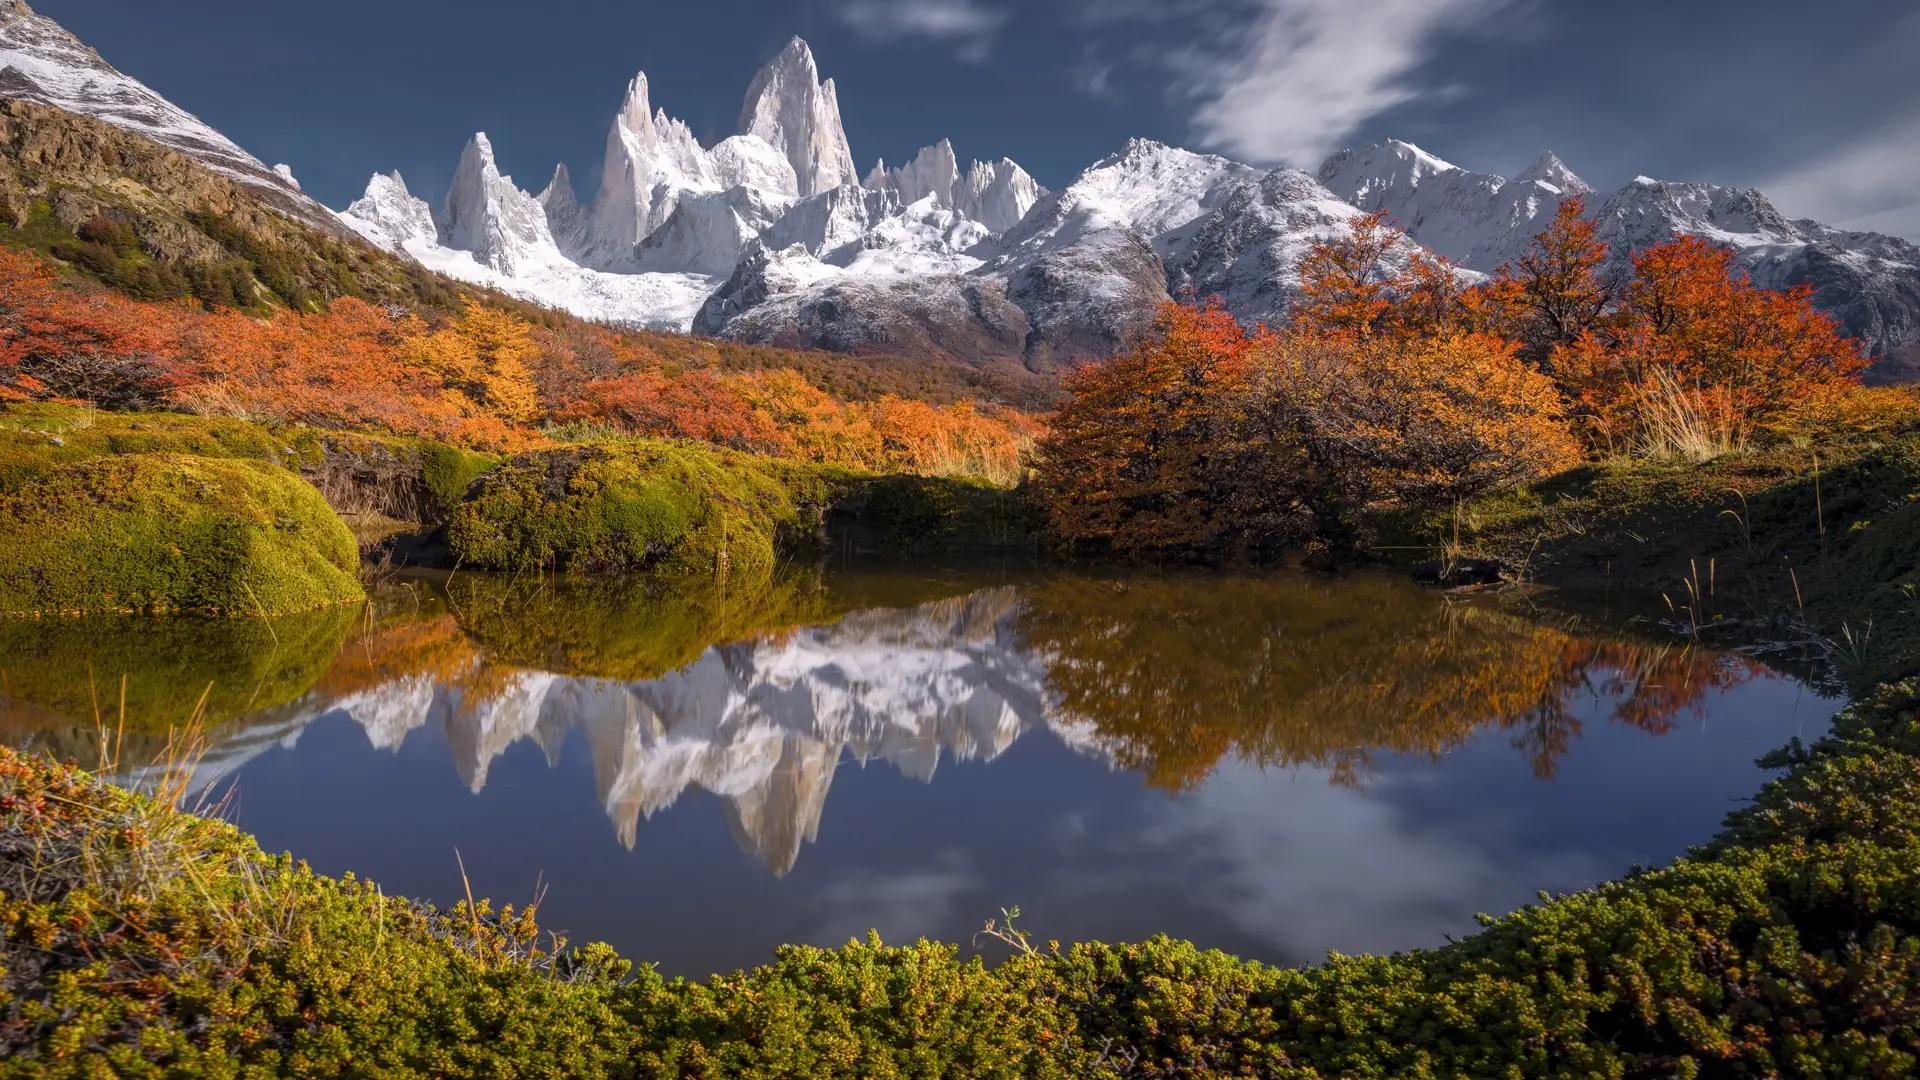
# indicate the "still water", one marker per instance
pixel 1277 766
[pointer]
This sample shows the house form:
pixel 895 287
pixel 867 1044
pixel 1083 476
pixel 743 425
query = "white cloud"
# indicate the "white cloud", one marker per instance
pixel 1309 866
pixel 899 906
pixel 968 24
pixel 1865 184
pixel 1293 77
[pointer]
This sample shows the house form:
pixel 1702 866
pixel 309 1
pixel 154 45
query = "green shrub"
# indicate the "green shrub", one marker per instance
pixel 628 506
pixel 168 533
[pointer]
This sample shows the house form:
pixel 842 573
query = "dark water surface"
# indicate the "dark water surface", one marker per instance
pixel 1275 766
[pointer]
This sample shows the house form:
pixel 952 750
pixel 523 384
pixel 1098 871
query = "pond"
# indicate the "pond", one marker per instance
pixel 1278 766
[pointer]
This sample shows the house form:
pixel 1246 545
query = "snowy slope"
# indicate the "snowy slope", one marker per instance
pixel 1247 251
pixel 393 218
pixel 1476 220
pixel 1870 282
pixel 41 62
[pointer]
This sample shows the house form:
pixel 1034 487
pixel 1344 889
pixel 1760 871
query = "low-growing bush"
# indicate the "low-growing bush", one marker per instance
pixel 136 940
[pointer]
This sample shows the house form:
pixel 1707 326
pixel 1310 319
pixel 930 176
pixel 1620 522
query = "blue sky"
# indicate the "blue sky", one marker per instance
pixel 1815 103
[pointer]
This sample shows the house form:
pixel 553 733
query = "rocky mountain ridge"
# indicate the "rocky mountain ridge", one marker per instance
pixel 769 236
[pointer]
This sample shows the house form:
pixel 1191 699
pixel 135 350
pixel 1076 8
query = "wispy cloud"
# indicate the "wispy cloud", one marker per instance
pixel 1864 184
pixel 969 25
pixel 1291 78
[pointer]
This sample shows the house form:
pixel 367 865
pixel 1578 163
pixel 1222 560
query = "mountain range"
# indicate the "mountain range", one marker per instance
pixel 772 236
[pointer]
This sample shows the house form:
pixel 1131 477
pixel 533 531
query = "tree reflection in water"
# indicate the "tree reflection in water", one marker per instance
pixel 756 691
pixel 1172 675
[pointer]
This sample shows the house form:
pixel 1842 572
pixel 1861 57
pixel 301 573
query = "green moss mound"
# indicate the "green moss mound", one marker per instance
pixel 629 506
pixel 169 533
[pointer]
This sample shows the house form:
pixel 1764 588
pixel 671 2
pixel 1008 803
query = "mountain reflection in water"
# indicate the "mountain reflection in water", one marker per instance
pixel 757 695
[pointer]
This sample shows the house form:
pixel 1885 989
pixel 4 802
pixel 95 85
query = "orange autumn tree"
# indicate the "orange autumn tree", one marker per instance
pixel 1695 357
pixel 1374 281
pixel 482 361
pixel 1424 421
pixel 1556 293
pixel 1141 457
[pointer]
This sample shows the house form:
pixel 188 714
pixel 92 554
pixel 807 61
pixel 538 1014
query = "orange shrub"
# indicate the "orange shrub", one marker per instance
pixel 1141 456
pixel 1426 421
pixel 485 378
pixel 1696 357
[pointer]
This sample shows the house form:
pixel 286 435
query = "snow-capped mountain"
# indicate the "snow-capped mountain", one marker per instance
pixel 41 62
pixel 770 236
pixel 1870 282
pixel 1476 220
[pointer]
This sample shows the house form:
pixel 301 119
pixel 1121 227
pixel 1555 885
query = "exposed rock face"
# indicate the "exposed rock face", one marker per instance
pixel 41 62
pixel 1248 250
pixel 650 160
pixel 996 195
pixel 485 214
pixel 792 110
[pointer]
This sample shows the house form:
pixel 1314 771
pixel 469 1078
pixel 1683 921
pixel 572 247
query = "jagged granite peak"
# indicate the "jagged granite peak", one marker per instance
pixel 799 115
pixel 934 171
pixel 41 62
pixel 390 217
pixel 504 228
pixel 709 231
pixel 997 194
pixel 566 218
pixel 650 159
pixel 1549 169
pixel 833 226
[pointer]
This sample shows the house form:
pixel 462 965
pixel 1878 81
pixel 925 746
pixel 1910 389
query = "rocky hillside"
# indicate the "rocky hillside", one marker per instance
pixel 158 225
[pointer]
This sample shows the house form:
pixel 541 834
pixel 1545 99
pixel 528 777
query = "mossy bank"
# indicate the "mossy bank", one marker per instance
pixel 161 512
pixel 167 533
pixel 1815 539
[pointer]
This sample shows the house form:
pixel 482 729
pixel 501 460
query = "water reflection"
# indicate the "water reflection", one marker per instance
pixel 759 695
pixel 1172 676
